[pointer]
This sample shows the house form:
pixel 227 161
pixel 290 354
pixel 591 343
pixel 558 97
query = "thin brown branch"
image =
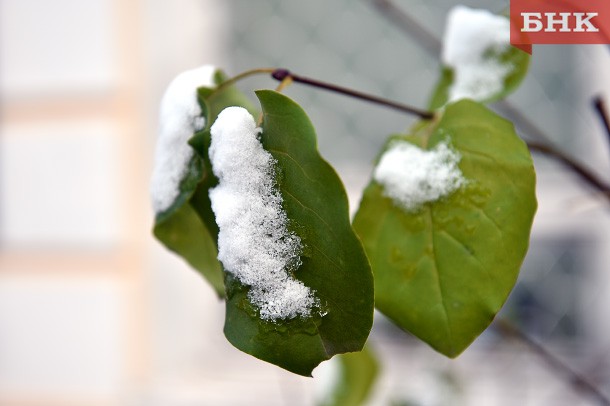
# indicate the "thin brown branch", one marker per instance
pixel 584 173
pixel 522 122
pixel 577 380
pixel 283 74
pixel 409 25
pixel 600 106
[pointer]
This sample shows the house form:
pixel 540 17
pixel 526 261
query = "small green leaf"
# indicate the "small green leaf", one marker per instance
pixel 187 227
pixel 333 265
pixel 441 92
pixel 510 62
pixel 357 375
pixel 185 234
pixel 444 271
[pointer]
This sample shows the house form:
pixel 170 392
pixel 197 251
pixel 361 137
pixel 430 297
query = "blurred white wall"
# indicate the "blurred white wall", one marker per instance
pixel 81 317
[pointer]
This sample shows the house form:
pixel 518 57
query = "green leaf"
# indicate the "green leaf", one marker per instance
pixel 357 375
pixel 185 234
pixel 443 272
pixel 514 59
pixel 188 227
pixel 441 91
pixel 334 264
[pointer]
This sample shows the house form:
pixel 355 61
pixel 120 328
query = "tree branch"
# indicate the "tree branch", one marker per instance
pixel 283 74
pixel 575 166
pixel 578 381
pixel 409 25
pixel 602 111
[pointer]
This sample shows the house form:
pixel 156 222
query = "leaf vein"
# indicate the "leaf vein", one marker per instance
pixel 483 267
pixel 438 277
pixel 330 229
pixel 297 163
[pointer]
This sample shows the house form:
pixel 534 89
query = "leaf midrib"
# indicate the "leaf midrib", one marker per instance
pixel 432 243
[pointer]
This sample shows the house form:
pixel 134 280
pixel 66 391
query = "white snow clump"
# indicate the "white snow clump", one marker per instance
pixel 180 118
pixel 254 243
pixel 470 35
pixel 411 176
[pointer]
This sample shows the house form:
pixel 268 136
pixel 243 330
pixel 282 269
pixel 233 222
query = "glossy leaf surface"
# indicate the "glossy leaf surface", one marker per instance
pixel 443 272
pixel 334 265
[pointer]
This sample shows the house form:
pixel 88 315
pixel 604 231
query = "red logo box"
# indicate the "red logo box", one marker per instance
pixel 559 22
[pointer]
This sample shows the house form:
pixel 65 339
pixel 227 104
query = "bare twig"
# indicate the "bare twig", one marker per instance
pixel 283 74
pixel 602 111
pixel 585 174
pixel 578 381
pixel 408 25
pixel 522 122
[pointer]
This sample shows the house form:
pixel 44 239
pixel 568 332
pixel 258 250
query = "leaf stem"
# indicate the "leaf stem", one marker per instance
pixel 577 380
pixel 282 74
pixel 287 81
pixel 237 78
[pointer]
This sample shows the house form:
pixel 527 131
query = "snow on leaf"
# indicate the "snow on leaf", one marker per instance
pixel 313 240
pixel 412 176
pixel 180 118
pixel 184 221
pixel 444 271
pixel 478 61
pixel 254 243
pixel 473 41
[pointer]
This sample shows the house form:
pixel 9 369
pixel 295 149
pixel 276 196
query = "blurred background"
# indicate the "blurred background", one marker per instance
pixel 94 312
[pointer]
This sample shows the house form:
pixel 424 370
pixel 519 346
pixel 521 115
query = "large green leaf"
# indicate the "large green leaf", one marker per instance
pixel 443 272
pixel 357 375
pixel 187 227
pixel 513 59
pixel 334 264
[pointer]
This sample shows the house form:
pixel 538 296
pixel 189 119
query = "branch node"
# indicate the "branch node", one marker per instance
pixel 280 74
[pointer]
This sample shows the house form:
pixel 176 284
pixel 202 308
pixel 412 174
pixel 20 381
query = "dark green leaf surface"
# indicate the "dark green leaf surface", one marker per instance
pixel 443 272
pixel 188 227
pixel 358 373
pixel 334 265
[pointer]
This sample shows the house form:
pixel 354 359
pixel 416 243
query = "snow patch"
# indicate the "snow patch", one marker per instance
pixel 411 176
pixel 180 118
pixel 254 243
pixel 471 35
